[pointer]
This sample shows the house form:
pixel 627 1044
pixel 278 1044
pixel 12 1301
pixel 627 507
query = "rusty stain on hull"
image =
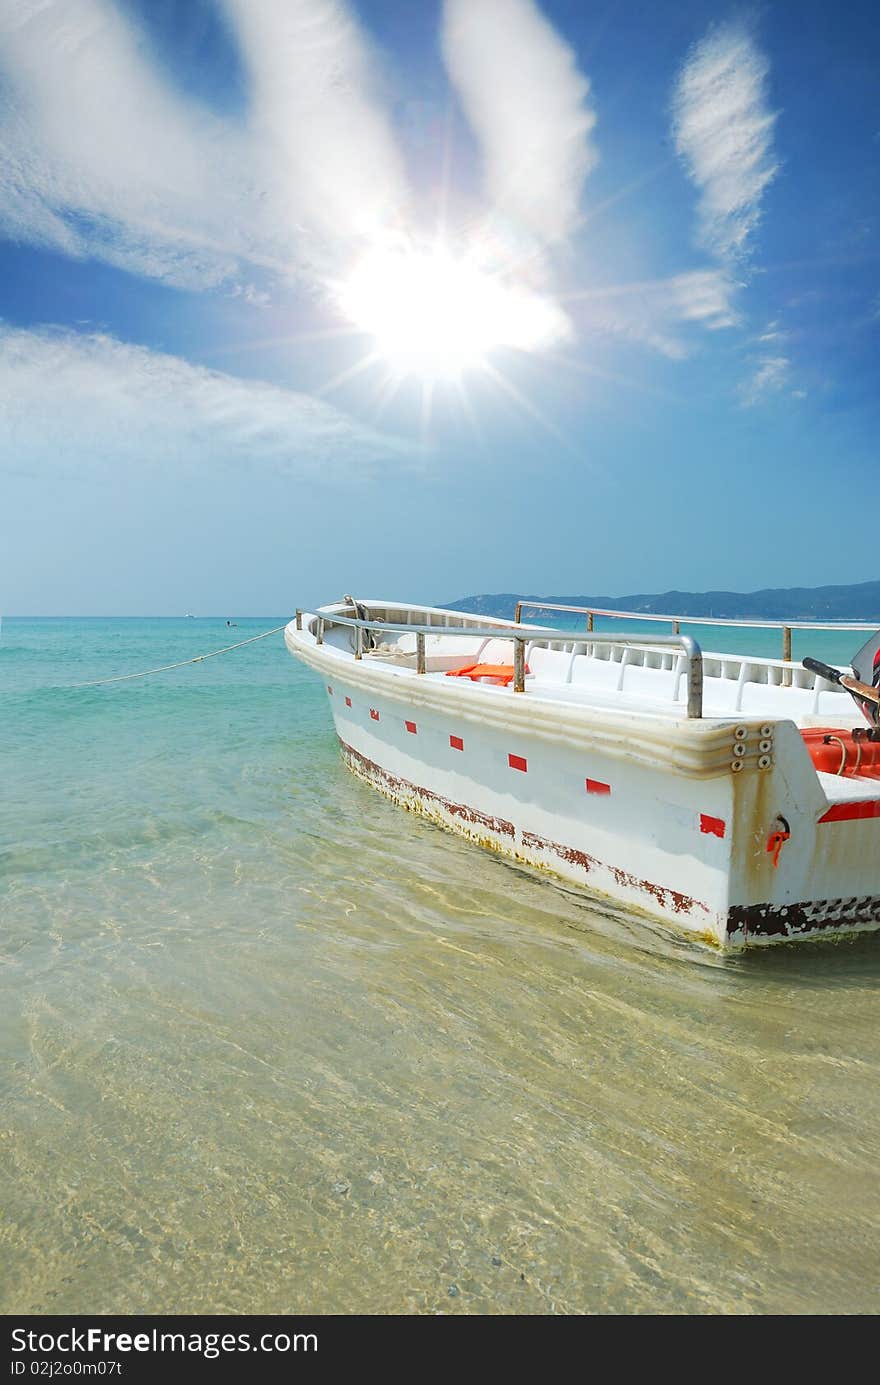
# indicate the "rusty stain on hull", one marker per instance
pixel 399 787
pixel 811 916
pixel 672 900
pixel 565 853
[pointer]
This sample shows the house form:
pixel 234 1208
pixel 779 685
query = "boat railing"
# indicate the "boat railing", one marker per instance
pixel 676 622
pixel 522 636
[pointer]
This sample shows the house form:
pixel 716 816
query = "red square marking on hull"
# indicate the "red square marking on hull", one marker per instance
pixel 596 786
pixel 411 727
pixel 713 827
pixel 456 742
pixel 518 762
pixel 374 714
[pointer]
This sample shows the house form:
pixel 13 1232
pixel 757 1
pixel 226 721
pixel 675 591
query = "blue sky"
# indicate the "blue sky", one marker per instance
pixel 421 299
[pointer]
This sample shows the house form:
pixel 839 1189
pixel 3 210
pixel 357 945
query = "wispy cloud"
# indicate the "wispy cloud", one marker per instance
pixel 100 155
pixel 93 403
pixel 657 313
pixel 528 104
pixel 704 296
pixel 724 133
pixel 317 117
pixel 771 369
pixel 771 375
pixel 773 333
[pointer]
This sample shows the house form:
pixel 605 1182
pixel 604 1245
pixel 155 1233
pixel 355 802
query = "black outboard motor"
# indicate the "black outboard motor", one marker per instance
pixel 864 686
pixel 866 667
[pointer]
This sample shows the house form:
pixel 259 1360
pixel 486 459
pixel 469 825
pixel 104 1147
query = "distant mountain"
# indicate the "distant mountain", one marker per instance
pixel 858 602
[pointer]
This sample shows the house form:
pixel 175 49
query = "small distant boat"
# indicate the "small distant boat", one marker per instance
pixel 729 795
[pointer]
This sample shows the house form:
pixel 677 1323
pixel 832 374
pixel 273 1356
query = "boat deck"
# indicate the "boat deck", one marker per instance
pixel 595 674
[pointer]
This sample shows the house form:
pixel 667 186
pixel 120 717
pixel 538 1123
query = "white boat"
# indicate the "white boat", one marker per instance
pixel 730 796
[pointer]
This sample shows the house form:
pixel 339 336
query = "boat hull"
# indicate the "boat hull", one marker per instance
pixel 680 822
pixel 522 844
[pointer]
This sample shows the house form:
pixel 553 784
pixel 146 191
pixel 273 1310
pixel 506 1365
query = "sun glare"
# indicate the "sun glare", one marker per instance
pixel 437 316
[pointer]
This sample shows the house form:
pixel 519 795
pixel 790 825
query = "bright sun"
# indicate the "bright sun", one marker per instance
pixel 434 315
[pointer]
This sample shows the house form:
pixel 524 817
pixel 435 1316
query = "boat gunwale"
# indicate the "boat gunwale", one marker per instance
pixel 693 747
pixel 689 651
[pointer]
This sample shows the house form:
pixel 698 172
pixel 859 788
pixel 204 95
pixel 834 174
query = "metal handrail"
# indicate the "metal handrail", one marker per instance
pixel 521 636
pixel 785 626
pixel 696 620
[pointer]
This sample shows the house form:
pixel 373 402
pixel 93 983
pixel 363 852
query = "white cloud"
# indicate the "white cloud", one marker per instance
pixel 771 375
pixel 527 103
pixel 316 117
pixel 101 156
pixel 93 403
pixel 98 156
pixel 704 296
pixel 724 133
pixel 773 332
pixel 772 370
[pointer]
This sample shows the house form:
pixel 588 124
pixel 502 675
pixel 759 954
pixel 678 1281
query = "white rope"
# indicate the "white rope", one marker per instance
pixel 165 668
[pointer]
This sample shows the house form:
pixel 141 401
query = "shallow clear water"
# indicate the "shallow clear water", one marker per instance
pixel 271 1044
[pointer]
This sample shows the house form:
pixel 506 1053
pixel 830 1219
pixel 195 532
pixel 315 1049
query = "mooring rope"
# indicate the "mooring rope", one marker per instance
pixel 165 668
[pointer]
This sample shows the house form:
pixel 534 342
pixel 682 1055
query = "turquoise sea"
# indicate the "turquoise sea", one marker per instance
pixel 270 1044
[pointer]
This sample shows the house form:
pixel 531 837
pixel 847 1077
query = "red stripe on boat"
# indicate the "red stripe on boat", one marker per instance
pixel 374 714
pixel 348 702
pixel 456 742
pixel 518 762
pixel 596 786
pixel 713 827
pixel 851 812
pixel 411 727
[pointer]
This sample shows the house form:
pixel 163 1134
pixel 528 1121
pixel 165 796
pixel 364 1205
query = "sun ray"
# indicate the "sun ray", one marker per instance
pixel 385 394
pixel 470 413
pixel 609 377
pixel 850 261
pixel 634 186
pixel 614 290
pixel 425 411
pixel 288 339
pixel 372 358
pixel 532 409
